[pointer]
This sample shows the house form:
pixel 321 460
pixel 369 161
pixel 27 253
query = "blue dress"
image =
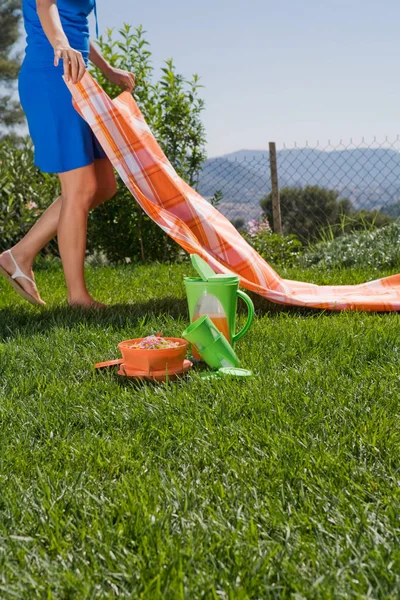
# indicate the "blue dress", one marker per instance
pixel 62 139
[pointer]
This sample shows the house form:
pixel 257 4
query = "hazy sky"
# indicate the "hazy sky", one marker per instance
pixel 282 70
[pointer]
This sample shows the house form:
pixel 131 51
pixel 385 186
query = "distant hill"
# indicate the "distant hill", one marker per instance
pixel 369 177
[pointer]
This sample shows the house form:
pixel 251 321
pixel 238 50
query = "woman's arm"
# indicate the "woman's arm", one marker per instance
pixel 74 65
pixel 124 79
pixel 98 60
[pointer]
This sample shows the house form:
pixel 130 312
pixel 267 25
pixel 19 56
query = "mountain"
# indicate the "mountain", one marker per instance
pixel 369 177
pixel 242 186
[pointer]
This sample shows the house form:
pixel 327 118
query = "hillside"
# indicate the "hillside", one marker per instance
pixel 370 178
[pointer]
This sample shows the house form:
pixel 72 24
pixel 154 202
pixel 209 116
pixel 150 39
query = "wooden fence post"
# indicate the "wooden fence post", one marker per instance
pixel 276 200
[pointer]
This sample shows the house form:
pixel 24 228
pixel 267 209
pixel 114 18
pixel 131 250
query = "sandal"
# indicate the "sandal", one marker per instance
pixel 17 287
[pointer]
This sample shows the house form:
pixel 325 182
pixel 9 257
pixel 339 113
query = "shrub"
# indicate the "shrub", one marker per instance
pixel 308 211
pixel 281 250
pixel 239 224
pixel 363 219
pixel 25 192
pixel 119 228
pixel 172 109
pixel 122 231
pixel 314 212
pixel 359 220
pixel 378 248
pixel 393 210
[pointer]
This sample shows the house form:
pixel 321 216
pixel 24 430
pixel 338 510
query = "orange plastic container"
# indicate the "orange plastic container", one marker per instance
pixel 163 375
pixel 153 360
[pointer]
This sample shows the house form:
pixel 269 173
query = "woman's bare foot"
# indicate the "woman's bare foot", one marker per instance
pixel 86 302
pixel 7 263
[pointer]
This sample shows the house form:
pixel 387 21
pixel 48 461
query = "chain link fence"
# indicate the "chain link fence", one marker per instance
pixel 360 181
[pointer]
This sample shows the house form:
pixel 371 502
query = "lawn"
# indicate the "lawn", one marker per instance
pixel 283 486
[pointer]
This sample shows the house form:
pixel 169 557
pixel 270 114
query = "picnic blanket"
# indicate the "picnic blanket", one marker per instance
pixel 193 222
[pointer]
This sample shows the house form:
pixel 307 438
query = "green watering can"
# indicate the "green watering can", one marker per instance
pixel 216 296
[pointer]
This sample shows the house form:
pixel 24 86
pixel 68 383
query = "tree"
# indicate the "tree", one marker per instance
pixel 393 210
pixel 171 106
pixel 365 219
pixel 172 109
pixel 239 224
pixel 308 211
pixel 10 16
pixel 314 212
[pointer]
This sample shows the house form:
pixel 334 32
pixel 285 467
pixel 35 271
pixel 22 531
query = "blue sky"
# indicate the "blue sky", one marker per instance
pixel 282 70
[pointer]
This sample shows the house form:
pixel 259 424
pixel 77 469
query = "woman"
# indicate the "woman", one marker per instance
pixel 58 44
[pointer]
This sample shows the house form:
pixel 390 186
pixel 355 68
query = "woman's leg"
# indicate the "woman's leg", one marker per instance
pixel 45 228
pixel 79 190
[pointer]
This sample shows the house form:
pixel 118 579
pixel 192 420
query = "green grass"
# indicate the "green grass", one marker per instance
pixel 283 486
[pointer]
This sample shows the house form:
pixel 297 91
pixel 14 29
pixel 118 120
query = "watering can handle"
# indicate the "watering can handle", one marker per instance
pixel 250 316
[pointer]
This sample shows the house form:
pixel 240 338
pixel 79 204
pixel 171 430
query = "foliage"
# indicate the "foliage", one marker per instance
pixel 239 223
pixel 24 191
pixel 120 228
pixel 172 108
pixel 377 248
pixel 282 250
pixel 314 212
pixel 393 210
pixel 306 211
pixel 10 16
pixel 282 486
pixel 216 199
pixel 122 231
pixel 256 227
pixel 363 219
pixel 357 220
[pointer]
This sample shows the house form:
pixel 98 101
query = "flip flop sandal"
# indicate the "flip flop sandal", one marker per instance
pixel 14 284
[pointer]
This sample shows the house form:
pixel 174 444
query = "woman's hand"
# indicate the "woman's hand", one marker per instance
pixel 74 65
pixel 123 79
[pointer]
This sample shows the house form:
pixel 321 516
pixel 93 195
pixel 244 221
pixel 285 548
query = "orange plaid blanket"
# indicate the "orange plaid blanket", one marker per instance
pixel 196 225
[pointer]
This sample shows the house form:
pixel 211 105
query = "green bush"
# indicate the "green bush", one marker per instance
pixel 393 210
pixel 25 192
pixel 314 212
pixel 308 211
pixel 280 250
pixel 172 108
pixel 120 230
pixel 358 220
pixel 365 219
pixel 377 248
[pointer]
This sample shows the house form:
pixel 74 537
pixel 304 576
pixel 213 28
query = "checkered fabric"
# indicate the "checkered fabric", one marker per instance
pixel 196 225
